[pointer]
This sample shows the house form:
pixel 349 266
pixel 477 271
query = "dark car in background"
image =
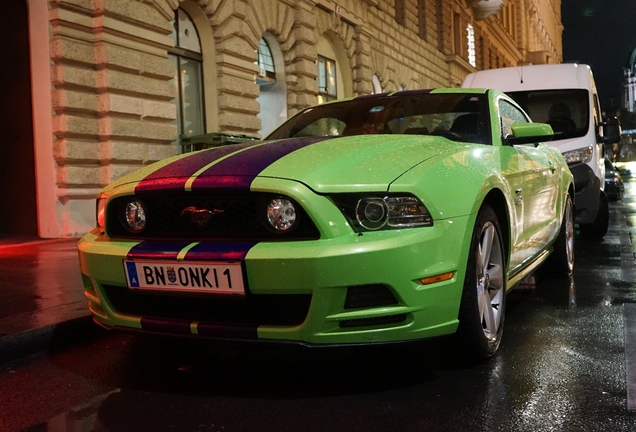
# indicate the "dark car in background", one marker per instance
pixel 614 188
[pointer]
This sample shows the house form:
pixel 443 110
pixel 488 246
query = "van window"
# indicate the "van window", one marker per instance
pixel 597 111
pixel 566 110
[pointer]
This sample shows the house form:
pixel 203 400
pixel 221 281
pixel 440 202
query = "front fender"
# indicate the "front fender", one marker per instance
pixel 457 184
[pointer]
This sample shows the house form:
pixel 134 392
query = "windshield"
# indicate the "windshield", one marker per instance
pixel 459 117
pixel 565 110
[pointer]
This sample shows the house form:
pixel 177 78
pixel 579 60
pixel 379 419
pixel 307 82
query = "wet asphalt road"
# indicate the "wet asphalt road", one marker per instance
pixel 562 367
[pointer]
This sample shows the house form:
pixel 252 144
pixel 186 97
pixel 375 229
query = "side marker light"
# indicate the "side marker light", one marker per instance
pixel 437 278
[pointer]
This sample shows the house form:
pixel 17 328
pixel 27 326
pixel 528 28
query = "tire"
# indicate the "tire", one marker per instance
pixel 561 262
pixel 483 304
pixel 598 228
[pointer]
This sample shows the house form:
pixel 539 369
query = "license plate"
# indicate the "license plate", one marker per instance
pixel 209 277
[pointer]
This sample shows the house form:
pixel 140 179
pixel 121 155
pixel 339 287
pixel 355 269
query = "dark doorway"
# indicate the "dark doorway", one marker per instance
pixel 18 212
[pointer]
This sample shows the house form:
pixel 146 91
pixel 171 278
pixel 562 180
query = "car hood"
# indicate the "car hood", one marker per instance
pixel 366 162
pixel 325 164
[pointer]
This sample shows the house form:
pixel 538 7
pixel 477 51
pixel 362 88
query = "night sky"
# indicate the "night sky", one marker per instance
pixel 601 33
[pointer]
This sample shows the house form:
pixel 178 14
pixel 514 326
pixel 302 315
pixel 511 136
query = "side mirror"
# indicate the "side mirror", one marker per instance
pixel 611 131
pixel 527 133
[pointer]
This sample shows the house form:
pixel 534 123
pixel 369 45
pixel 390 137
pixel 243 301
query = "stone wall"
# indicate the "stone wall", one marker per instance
pixel 111 86
pixel 111 98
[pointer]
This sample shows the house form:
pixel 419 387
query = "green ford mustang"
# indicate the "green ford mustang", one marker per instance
pixel 381 218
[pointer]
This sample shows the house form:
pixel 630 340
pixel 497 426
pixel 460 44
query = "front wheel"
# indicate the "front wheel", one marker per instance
pixel 483 304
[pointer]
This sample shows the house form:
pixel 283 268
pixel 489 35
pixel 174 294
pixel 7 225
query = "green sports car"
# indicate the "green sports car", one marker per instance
pixel 381 218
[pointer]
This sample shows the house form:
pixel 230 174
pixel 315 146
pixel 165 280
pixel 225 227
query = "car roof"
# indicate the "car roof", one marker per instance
pixel 420 92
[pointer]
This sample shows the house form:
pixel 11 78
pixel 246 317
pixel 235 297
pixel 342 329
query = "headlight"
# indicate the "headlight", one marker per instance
pixel 405 212
pixel 134 217
pixel 583 155
pixel 374 212
pixel 100 211
pixel 281 214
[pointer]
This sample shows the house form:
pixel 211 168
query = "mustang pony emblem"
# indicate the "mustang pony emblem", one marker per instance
pixel 199 217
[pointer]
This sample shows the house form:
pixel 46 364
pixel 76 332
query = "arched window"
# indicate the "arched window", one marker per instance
pixel 377 86
pixel 271 80
pixel 266 69
pixel 187 58
pixel 333 76
pixel 327 84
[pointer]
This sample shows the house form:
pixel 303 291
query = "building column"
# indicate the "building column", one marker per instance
pixel 48 226
pixel 235 56
pixel 302 87
pixel 362 71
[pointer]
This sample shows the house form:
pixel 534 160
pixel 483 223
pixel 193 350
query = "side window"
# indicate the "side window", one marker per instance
pixel 322 127
pixel 596 110
pixel 509 115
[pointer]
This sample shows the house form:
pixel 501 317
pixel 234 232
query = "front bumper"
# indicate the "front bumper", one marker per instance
pixel 298 291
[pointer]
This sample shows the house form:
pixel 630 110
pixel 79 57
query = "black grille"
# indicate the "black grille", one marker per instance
pixel 237 217
pixel 253 309
pixel 370 322
pixel 368 296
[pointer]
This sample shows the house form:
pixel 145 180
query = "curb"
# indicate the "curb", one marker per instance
pixel 21 345
pixel 13 242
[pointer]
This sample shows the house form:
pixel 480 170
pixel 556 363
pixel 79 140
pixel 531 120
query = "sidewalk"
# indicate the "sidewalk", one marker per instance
pixel 41 294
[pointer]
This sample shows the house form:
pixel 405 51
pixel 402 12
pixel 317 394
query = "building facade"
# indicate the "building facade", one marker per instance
pixel 629 84
pixel 99 88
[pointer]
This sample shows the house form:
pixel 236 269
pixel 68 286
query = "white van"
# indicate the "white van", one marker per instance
pixel 565 97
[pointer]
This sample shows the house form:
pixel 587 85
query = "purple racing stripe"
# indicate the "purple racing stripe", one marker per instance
pixel 204 329
pixel 219 251
pixel 238 171
pixel 202 252
pixel 221 331
pixel 173 327
pixel 157 250
pixel 175 175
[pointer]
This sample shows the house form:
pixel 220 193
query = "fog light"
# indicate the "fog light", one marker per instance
pixel 135 217
pixel 281 214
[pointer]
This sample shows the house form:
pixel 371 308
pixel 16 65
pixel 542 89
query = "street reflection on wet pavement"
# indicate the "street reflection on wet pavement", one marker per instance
pixel 561 367
pixel 34 284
